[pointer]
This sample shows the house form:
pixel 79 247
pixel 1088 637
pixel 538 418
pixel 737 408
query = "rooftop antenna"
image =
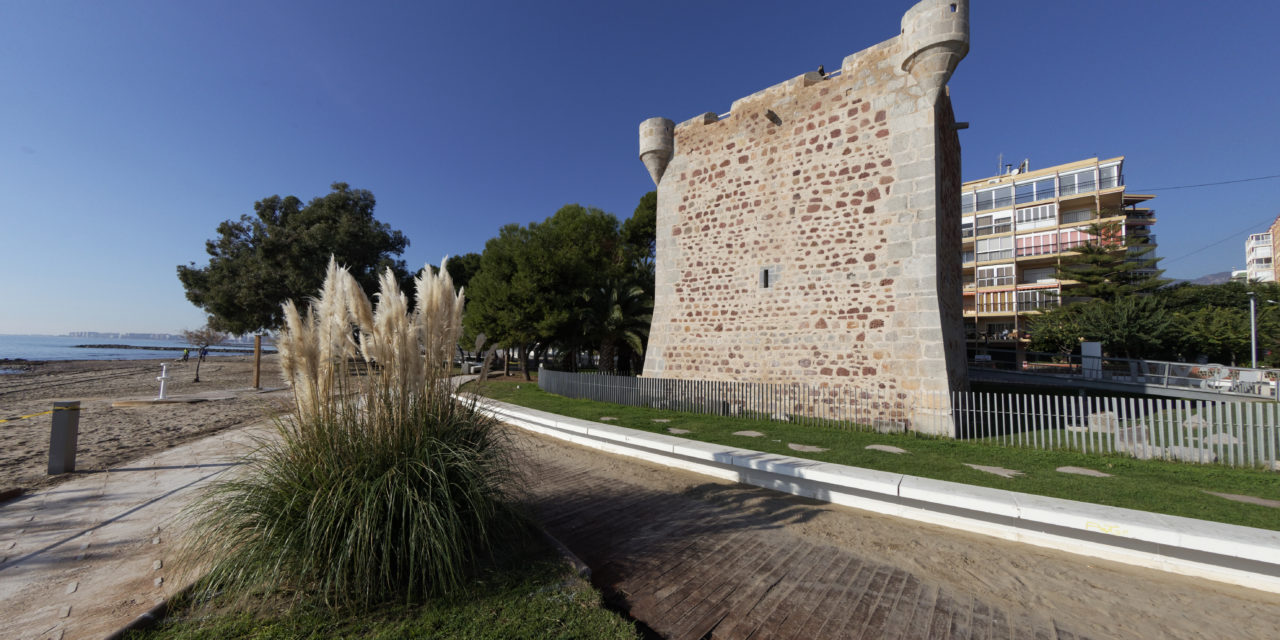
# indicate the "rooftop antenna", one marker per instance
pixel 999 163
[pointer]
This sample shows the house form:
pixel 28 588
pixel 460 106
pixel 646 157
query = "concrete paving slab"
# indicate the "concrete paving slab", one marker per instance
pixel 1274 504
pixel 93 553
pixel 999 471
pixel 1081 471
pixel 887 448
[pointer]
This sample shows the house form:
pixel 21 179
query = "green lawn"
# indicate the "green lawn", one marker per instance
pixel 1149 485
pixel 530 594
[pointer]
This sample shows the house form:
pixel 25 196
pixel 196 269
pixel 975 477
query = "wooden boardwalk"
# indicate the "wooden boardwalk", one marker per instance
pixel 689 567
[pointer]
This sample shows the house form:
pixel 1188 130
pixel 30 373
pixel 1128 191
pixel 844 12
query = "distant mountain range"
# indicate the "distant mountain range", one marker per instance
pixel 1221 277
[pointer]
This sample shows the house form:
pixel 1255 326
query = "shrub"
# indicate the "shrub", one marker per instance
pixel 381 486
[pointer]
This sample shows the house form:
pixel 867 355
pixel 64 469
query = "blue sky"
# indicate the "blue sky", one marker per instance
pixel 129 130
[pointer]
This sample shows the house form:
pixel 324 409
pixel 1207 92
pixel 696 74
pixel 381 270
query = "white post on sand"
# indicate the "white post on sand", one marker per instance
pixel 63 436
pixel 164 375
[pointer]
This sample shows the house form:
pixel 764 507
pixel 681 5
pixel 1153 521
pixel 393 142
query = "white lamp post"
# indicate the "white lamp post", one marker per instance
pixel 1253 329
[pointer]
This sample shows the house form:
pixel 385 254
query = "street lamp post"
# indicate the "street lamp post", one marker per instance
pixel 1253 329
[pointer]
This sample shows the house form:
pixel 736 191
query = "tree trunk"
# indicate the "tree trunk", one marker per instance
pixel 506 362
pixel 524 362
pixel 608 351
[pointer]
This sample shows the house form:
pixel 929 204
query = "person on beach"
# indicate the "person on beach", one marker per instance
pixel 186 353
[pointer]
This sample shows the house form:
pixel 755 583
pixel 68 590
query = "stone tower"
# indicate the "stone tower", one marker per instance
pixel 812 235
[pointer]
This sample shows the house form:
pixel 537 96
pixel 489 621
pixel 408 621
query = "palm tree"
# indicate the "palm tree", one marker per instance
pixel 618 320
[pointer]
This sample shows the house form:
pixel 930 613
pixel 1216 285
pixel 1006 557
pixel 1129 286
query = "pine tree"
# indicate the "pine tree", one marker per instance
pixel 1111 266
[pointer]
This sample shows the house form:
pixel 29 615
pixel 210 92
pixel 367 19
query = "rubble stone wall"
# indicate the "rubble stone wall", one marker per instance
pixel 812 235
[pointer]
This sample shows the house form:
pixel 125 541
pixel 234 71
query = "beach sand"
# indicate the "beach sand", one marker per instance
pixel 110 436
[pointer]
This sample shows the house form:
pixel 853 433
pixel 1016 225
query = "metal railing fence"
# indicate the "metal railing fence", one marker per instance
pixel 1232 433
pixel 1214 378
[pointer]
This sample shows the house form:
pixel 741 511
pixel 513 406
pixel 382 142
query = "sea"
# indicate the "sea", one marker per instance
pixel 15 347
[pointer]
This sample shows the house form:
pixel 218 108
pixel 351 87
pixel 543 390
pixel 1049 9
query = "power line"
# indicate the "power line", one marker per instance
pixel 1209 246
pixel 1208 184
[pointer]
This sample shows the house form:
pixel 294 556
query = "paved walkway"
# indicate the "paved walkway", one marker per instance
pixel 86 557
pixel 693 567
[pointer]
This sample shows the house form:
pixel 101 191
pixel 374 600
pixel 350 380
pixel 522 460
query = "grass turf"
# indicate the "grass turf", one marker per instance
pixel 1172 488
pixel 528 594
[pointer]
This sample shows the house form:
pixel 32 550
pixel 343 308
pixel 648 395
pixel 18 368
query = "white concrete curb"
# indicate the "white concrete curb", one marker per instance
pixel 1233 554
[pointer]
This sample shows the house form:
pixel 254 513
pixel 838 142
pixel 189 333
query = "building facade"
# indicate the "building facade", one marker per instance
pixel 1259 250
pixel 811 235
pixel 1020 226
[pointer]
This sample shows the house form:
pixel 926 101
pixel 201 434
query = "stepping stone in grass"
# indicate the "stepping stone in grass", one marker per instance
pixel 749 434
pixel 662 420
pixel 1274 504
pixel 1081 471
pixel 888 448
pixel 677 431
pixel 805 448
pixel 1222 438
pixel 1000 471
pixel 607 419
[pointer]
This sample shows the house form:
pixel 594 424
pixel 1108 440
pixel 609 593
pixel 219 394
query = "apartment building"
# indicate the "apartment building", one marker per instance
pixel 1258 263
pixel 1018 227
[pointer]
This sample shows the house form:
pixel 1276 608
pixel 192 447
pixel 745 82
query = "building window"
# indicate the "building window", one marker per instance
pixel 995 301
pixel 966 227
pixel 768 277
pixel 1038 276
pixel 1109 177
pixel 1072 238
pixel 1045 215
pixel 966 257
pixel 1045 189
pixel 995 249
pixel 1078 215
pixel 967 202
pixel 995 223
pixel 1038 244
pixel 994 198
pixel 995 275
pixel 1037 299
pixel 1070 184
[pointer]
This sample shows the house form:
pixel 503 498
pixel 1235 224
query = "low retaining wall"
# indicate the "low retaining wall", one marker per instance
pixel 1233 554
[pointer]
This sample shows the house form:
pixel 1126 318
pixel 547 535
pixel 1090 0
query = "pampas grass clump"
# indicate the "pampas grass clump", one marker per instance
pixel 381 486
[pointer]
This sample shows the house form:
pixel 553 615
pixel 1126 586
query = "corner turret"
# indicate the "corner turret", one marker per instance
pixel 936 37
pixel 657 144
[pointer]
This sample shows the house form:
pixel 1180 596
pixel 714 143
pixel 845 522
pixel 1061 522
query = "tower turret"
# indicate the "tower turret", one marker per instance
pixel 936 35
pixel 657 144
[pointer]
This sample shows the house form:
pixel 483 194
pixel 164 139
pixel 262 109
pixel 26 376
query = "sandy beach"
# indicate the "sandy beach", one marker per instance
pixel 111 435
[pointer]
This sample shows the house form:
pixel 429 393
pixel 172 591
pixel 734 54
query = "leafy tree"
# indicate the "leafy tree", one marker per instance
pixel 640 231
pixel 1057 330
pixel 529 289
pixel 1130 327
pixel 205 336
pixel 462 268
pixel 281 252
pixel 1112 265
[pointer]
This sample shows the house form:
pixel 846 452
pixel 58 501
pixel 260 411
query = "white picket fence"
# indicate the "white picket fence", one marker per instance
pixel 1236 433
